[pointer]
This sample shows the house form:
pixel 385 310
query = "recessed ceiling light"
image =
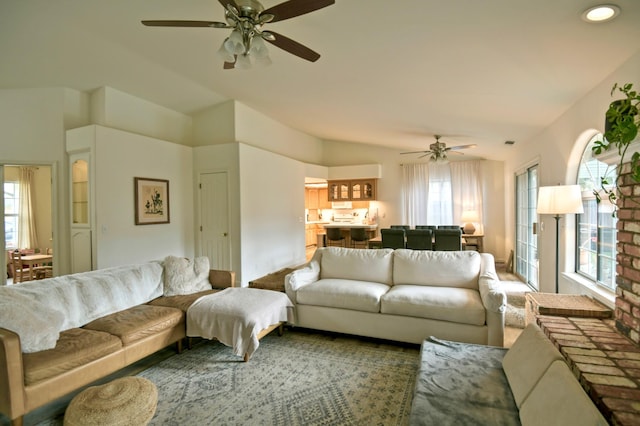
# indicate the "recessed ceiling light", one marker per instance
pixel 601 13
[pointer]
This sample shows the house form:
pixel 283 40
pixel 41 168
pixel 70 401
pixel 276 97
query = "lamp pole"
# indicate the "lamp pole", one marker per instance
pixel 557 218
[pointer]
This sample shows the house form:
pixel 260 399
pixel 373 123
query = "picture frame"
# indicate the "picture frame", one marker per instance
pixel 151 201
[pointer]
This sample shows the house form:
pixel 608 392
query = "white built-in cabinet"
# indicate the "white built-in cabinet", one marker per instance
pixel 80 147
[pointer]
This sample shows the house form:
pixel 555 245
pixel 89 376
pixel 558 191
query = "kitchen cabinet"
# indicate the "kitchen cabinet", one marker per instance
pixel 312 203
pixel 323 199
pixel 352 190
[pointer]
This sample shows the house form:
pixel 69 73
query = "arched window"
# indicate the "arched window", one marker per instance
pixel 596 232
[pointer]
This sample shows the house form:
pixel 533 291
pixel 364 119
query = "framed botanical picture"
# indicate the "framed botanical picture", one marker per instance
pixel 151 201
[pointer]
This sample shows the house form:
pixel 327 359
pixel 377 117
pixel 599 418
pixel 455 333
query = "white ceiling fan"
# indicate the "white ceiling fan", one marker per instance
pixel 438 150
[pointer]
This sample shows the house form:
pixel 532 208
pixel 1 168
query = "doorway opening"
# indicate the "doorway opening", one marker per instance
pixel 27 209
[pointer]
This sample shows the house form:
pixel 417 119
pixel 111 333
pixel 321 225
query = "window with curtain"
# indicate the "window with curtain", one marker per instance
pixel 596 232
pixel 437 194
pixel 11 209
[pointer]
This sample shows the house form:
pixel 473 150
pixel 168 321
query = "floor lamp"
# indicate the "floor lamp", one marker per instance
pixel 559 200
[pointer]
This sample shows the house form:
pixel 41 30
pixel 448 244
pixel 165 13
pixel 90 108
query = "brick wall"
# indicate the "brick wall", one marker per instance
pixel 627 311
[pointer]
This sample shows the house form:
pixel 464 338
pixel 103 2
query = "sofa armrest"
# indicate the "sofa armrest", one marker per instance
pixel 11 375
pixel 222 279
pixel 493 298
pixel 300 278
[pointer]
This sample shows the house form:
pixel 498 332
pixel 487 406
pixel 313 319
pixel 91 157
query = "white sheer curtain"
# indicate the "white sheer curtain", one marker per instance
pixel 27 235
pixel 466 190
pixel 426 194
pixel 440 210
pixel 415 192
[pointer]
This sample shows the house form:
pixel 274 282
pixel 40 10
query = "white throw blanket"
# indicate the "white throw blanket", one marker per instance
pixel 235 316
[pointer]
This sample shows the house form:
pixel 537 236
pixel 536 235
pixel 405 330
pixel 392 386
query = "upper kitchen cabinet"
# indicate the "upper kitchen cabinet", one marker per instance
pixel 352 190
pixel 339 190
pixel 363 190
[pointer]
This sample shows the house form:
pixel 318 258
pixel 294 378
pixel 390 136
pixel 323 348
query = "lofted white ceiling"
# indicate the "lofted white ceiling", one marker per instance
pixel 392 73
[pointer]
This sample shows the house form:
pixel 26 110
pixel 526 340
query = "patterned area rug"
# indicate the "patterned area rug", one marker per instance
pixel 300 378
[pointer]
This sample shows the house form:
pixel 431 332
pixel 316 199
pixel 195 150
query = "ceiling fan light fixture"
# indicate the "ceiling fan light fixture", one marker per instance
pixel 224 54
pixel 258 49
pixel 243 62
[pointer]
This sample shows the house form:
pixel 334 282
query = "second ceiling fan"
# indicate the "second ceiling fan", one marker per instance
pixel 246 18
pixel 439 150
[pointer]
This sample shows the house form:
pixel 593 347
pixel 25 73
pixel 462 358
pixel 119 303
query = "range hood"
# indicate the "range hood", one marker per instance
pixel 341 205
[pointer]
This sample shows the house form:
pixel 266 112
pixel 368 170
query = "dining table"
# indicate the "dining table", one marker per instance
pixel 35 260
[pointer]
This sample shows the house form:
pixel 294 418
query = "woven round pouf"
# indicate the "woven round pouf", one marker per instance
pixel 125 401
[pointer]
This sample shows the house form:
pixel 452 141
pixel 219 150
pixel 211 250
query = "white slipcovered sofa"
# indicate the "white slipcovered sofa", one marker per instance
pixel 401 295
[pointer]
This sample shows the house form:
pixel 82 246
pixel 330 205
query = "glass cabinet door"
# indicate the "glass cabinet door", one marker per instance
pixel 80 192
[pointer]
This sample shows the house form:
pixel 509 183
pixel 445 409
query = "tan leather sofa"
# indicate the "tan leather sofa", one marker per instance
pixel 94 350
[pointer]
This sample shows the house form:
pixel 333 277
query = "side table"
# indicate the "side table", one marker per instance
pixel 564 305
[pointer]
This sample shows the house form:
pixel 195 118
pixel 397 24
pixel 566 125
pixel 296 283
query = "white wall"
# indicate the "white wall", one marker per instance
pixel 272 212
pixel 555 151
pixel 115 109
pixel 119 157
pixel 32 122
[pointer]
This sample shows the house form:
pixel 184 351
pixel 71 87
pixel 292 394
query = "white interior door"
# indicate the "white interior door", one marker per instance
pixel 214 219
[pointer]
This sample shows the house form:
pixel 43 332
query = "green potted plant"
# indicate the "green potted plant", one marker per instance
pixel 621 129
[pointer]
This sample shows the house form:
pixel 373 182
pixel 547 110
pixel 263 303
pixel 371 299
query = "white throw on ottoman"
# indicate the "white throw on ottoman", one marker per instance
pixel 125 401
pixel 238 317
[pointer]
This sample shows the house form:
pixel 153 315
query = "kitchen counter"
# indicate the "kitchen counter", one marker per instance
pixel 348 225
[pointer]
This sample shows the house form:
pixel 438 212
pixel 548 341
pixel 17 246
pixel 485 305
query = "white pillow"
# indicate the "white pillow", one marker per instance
pixel 37 325
pixel 185 276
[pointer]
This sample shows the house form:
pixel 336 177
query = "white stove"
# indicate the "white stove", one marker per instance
pixel 343 217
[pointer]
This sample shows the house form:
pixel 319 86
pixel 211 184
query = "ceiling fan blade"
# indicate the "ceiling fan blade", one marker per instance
pixel 225 3
pixel 417 152
pixel 293 47
pixel 456 148
pixel 211 24
pixel 293 8
pixel 229 65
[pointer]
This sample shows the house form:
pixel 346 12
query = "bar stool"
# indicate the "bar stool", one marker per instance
pixel 359 236
pixel 335 235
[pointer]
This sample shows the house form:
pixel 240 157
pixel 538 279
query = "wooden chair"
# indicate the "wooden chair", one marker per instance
pixel 419 239
pixel 392 238
pixel 20 273
pixel 44 271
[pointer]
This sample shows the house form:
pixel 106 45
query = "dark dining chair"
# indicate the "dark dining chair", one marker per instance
pixel 448 239
pixel 359 236
pixel 419 239
pixel 334 235
pixel 432 227
pixel 449 227
pixel 405 227
pixel 392 238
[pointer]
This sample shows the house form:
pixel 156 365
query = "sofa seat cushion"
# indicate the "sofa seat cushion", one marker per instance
pixel 182 302
pixel 75 347
pixel 460 305
pixel 138 322
pixel 344 294
pixel 437 268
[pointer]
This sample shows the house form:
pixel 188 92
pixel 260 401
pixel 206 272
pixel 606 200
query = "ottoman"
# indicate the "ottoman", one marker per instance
pixel 238 317
pixel 125 401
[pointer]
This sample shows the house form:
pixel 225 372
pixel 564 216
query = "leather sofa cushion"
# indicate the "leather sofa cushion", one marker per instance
pixel 75 347
pixel 533 349
pixel 356 264
pixel 343 294
pixel 182 302
pixel 558 399
pixel 138 322
pixel 437 268
pixel 460 305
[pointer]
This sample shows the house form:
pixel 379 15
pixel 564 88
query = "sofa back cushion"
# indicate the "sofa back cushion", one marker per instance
pixel 436 268
pixel 527 360
pixel 357 264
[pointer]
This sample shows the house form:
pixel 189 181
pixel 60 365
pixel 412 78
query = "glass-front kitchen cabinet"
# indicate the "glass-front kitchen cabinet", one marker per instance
pixel 352 190
pixel 339 190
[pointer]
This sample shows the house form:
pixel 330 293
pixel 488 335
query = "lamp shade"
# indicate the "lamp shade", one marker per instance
pixel 560 199
pixel 470 216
